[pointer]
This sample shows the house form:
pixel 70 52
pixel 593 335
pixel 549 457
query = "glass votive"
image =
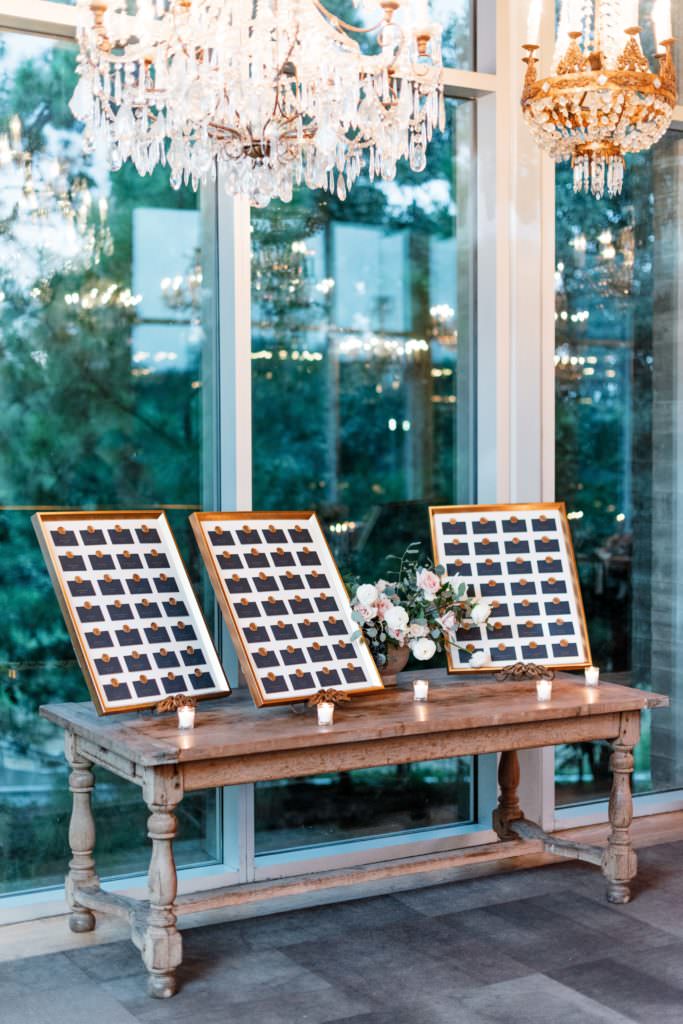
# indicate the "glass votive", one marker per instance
pixel 325 713
pixel 420 689
pixel 544 689
pixel 186 717
pixel 592 674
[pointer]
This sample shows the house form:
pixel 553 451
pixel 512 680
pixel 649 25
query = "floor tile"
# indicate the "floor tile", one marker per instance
pixel 396 968
pixel 645 997
pixel 537 999
pixel 210 982
pixel 39 973
pixel 524 930
pixel 598 916
pixel 322 923
pixel 480 892
pixel 291 1004
pixel 112 960
pixel 449 1014
pixel 70 1004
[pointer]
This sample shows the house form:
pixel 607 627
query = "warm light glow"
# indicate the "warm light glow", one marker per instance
pixel 592 675
pixel 661 21
pixel 544 690
pixel 186 717
pixel 420 689
pixel 629 14
pixel 533 25
pixel 325 713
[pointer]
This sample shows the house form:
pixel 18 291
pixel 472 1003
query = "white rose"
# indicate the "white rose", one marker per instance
pixel 479 659
pixel 423 649
pixel 366 594
pixel 396 617
pixel 417 630
pixel 480 613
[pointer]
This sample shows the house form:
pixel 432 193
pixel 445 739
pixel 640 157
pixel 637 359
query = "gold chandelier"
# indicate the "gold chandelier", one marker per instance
pixel 601 98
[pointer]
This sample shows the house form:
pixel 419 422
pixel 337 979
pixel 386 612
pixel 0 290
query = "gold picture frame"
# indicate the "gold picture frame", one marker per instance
pixel 287 672
pixel 514 520
pixel 84 591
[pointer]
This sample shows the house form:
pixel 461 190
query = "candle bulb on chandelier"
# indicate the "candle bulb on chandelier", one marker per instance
pixel 421 13
pixel 15 132
pixel 629 14
pixel 661 20
pixel 533 25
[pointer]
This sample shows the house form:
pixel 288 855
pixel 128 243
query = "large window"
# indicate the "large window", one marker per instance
pixel 362 362
pixel 100 406
pixel 619 431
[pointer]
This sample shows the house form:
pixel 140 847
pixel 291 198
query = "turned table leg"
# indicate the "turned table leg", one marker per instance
pixel 619 863
pixel 81 837
pixel 161 942
pixel 508 809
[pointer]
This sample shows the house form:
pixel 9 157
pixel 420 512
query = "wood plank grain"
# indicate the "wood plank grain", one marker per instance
pixel 341 878
pixel 237 728
pixel 302 761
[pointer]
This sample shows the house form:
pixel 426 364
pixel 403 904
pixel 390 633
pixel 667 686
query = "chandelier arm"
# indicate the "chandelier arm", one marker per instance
pixel 340 23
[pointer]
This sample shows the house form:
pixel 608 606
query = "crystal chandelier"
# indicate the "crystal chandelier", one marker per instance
pixel 270 92
pixel 601 98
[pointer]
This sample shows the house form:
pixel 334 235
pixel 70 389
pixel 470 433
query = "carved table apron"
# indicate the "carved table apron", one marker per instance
pixel 235 743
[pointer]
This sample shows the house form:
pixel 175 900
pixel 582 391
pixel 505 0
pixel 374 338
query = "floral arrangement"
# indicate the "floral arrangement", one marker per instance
pixel 420 608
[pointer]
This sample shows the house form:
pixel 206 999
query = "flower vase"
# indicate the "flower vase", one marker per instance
pixel 397 659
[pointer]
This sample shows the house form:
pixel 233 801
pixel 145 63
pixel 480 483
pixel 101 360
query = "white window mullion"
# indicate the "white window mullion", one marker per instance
pixel 234 460
pixel 39 17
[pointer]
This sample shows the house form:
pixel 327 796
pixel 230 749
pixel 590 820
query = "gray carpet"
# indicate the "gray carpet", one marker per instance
pixel 531 947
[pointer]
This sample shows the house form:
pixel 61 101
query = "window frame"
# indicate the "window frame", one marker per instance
pixel 514 428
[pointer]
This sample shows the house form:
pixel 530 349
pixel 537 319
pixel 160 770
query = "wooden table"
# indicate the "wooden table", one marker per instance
pixel 234 742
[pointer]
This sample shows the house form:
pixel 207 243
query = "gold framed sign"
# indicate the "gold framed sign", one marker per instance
pixel 129 607
pixel 520 559
pixel 285 604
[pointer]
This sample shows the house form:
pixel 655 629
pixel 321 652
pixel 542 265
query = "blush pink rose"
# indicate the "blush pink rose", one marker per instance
pixel 383 606
pixel 428 582
pixel 367 611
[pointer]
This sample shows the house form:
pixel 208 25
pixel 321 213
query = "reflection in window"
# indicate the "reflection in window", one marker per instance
pixel 619 430
pixel 455 17
pixel 361 368
pixel 100 391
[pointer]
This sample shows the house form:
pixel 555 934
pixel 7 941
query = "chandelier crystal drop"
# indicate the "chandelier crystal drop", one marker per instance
pixel 601 99
pixel 271 93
